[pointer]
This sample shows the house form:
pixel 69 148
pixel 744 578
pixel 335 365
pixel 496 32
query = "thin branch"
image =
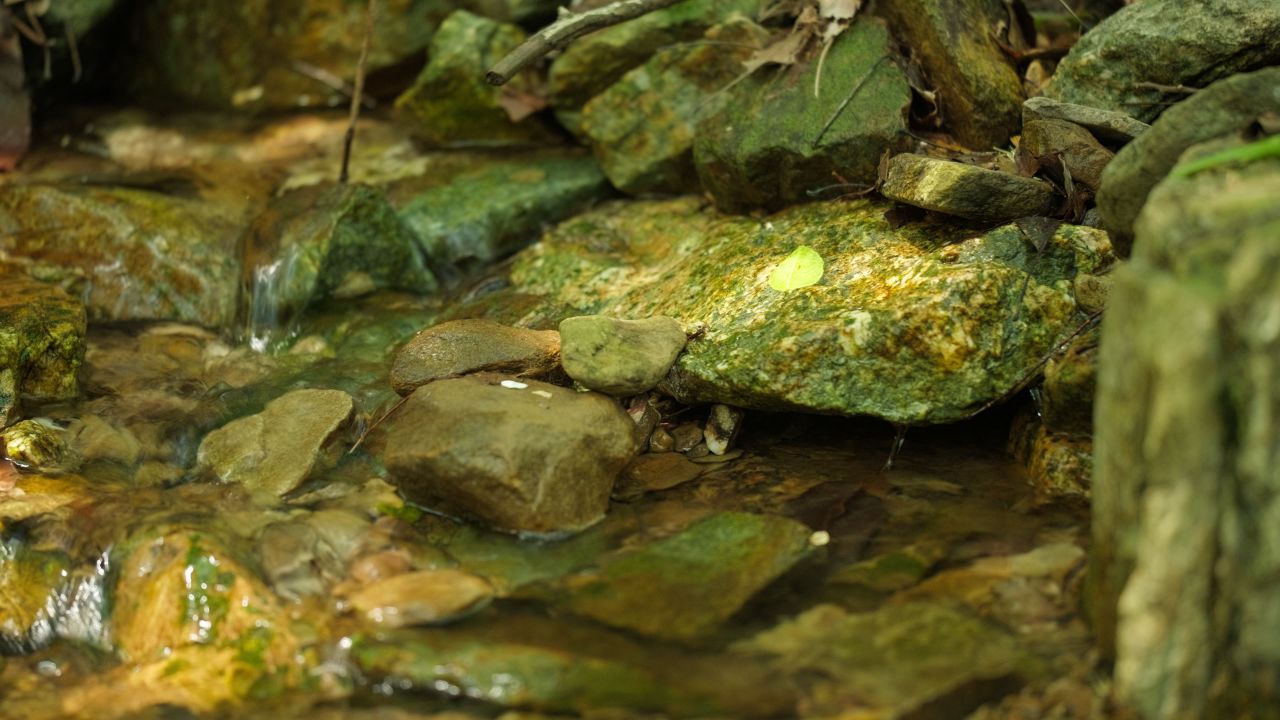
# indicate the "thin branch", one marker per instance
pixel 357 92
pixel 848 99
pixel 331 81
pixel 568 28
pixel 76 68
pixel 1172 89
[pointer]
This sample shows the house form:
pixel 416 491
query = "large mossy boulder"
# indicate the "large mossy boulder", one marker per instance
pixel 772 143
pixel 1188 493
pixel 1135 60
pixel 980 92
pixel 145 255
pixel 451 105
pixel 642 127
pixel 267 54
pixel 924 323
pixel 590 65
pixel 1222 108
pixel 41 343
pixel 323 241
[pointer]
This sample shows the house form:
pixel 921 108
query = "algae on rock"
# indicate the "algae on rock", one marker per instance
pixel 41 343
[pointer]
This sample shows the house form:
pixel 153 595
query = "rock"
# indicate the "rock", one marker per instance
pixel 653 472
pixel 968 191
pixel 533 663
pixel 1123 63
pixel 38 444
pixel 930 304
pixel 771 143
pixel 722 425
pixel 902 660
pixel 451 105
pixel 1109 126
pixel 954 42
pixel 41 342
pixel 189 615
pixel 426 597
pixel 591 64
pixel 1185 437
pixel 32 583
pixel 1059 464
pixel 1222 108
pixel 684 586
pixel 1053 144
pixel 97 440
pixel 523 457
pixel 266 50
pixel 272 452
pixel 145 255
pixel 619 357
pixel 319 242
pixel 1091 292
pixel 483 215
pixel 462 347
pixel 1070 380
pixel 642 126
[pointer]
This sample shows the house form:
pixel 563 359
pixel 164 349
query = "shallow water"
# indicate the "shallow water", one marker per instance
pixel 941 528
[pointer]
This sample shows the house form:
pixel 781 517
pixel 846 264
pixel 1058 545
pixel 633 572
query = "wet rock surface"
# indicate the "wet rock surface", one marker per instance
pixel 272 452
pixel 462 347
pixel 522 455
pixel 619 357
pixel 41 343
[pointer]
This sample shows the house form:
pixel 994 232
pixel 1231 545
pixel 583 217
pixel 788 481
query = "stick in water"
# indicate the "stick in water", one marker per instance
pixel 357 92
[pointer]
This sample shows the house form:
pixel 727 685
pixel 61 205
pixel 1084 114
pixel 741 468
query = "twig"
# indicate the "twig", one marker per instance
pixel 1178 89
pixel 357 92
pixel 331 81
pixel 845 103
pixel 75 54
pixel 568 28
pixel 399 403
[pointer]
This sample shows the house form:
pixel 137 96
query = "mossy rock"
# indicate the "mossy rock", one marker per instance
pixel 41 343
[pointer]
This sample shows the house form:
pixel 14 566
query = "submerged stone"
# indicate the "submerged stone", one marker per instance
pixel 144 255
pixel 529 662
pixel 483 215
pixel 274 451
pixel 1224 107
pixel 521 455
pixel 462 347
pixel 318 242
pixel 919 324
pixel 905 660
pixel 966 190
pixel 41 343
pixel 619 357
pixel 685 586
pixel 426 597
pixel 1133 61
pixel 31 587
pixel 980 91
pixel 267 54
pixel 642 127
pixel 451 105
pixel 772 143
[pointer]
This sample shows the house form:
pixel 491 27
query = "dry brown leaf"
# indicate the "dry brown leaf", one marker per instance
pixel 836 15
pixel 519 104
pixel 783 51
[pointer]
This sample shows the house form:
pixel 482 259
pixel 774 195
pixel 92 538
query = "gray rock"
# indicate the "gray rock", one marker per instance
pixel 425 597
pixel 773 144
pixel 1224 107
pixel 1188 370
pixel 274 451
pixel 1124 62
pixel 461 347
pixel 981 91
pixel 1053 144
pixel 966 190
pixel 619 357
pixel 1109 126
pixel 521 456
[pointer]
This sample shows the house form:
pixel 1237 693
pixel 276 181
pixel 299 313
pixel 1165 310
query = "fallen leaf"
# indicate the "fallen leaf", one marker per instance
pixel 802 268
pixel 519 104
pixel 836 16
pixel 783 51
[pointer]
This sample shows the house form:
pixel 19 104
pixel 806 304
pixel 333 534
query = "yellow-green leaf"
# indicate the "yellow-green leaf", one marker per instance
pixel 802 268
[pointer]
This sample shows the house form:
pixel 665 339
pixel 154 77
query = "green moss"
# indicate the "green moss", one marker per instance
pixel 206 602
